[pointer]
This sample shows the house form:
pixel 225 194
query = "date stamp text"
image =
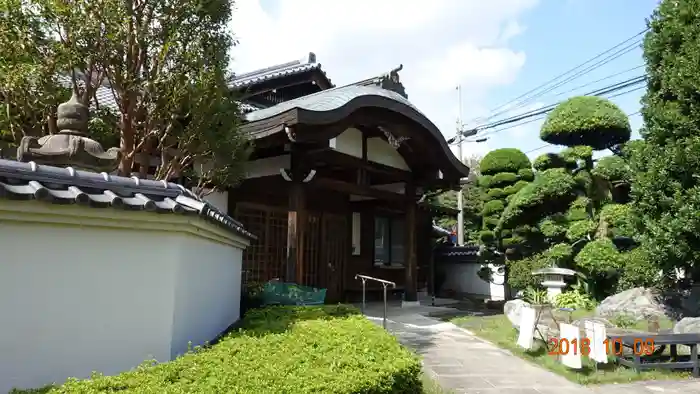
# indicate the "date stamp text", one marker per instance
pixel 562 346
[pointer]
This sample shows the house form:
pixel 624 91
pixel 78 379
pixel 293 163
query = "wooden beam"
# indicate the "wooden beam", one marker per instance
pixel 410 247
pixel 331 156
pixel 297 219
pixel 358 190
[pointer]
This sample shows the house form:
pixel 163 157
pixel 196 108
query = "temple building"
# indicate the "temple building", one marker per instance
pixel 337 182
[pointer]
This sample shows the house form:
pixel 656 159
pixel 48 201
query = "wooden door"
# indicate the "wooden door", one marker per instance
pixel 334 253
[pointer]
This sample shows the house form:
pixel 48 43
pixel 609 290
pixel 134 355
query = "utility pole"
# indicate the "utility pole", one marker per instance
pixel 460 195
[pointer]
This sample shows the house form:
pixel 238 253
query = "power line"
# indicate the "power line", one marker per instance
pixel 544 110
pixel 604 53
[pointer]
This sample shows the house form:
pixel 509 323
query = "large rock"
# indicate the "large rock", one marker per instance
pixel 687 325
pixel 638 303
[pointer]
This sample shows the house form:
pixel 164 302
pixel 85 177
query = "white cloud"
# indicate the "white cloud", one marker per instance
pixel 441 43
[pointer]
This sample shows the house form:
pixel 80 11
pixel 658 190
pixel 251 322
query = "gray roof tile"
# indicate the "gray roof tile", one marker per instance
pixel 105 96
pixel 328 100
pixel 29 181
pixel 266 74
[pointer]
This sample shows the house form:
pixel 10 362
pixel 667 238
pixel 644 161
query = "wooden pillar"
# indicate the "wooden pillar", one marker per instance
pixel 410 245
pixel 297 220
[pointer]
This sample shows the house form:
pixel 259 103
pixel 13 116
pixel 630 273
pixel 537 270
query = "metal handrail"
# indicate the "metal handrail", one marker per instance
pixel 384 283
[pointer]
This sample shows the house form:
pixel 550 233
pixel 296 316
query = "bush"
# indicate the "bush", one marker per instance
pixel 520 272
pixel 503 160
pixel 548 161
pixel 492 207
pixel 619 220
pixel 526 174
pixel 484 181
pixel 575 153
pixel 599 257
pixel 504 179
pixel 638 270
pixel 512 189
pixel 574 300
pixel 546 194
pixel 586 120
pixel 613 168
pixel 580 229
pixel 329 349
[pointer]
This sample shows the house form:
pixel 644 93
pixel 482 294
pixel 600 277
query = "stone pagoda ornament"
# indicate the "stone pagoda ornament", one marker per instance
pixel 71 146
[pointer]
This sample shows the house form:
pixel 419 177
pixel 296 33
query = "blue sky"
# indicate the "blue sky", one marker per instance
pixel 495 49
pixel 560 35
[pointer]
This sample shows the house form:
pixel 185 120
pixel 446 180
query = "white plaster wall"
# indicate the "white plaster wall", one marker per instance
pixel 77 299
pixel 380 151
pixel 208 292
pixel 348 142
pixel 464 278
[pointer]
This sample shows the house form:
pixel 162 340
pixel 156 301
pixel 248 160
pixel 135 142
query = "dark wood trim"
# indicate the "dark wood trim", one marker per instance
pixel 331 156
pixel 383 111
pixel 410 248
pixel 358 190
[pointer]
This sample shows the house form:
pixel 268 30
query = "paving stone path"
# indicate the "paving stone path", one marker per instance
pixel 466 364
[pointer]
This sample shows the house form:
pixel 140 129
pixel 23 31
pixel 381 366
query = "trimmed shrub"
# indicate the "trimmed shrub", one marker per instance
pixel 504 179
pixel 546 194
pixel 613 168
pixel 493 207
pixel 619 220
pixel 526 174
pixel 574 153
pixel 578 210
pixel 503 160
pixel 638 270
pixel 586 120
pixel 512 189
pixel 484 181
pixel 580 229
pixel 599 257
pixel 328 349
pixel 554 226
pixel 548 161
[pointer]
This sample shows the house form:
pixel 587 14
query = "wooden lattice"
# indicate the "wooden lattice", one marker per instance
pixel 265 258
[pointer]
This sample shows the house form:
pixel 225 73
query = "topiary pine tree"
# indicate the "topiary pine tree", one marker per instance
pixel 503 173
pixel 568 201
pixel 666 190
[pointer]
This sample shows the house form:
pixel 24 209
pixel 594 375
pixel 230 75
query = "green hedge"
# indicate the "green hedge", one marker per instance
pixel 328 349
pixel 586 120
pixel 503 160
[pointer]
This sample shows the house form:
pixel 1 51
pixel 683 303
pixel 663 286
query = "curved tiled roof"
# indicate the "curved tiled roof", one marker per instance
pixel 328 100
pixel 29 181
pixel 337 103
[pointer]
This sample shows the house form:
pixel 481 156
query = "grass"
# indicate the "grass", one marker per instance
pixel 498 330
pixel 431 386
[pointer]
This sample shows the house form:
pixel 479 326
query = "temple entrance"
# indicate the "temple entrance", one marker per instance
pixel 325 247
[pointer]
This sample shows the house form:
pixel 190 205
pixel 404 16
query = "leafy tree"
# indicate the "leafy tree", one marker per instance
pixel 666 188
pixel 472 202
pixel 165 62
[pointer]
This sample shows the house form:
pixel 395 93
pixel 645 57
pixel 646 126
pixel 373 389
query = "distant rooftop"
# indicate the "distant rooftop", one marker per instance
pixel 308 63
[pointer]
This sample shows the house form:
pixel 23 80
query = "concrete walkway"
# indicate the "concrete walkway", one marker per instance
pixel 463 363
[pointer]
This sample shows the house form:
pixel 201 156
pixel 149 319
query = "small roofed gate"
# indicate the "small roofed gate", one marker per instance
pixel 325 247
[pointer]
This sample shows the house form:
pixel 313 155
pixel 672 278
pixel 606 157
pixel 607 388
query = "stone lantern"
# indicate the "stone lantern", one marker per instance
pixel 553 280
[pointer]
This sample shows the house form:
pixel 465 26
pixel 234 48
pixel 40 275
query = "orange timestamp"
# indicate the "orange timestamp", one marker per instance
pixel 564 346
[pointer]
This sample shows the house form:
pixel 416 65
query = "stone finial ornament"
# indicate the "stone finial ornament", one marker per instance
pixel 392 81
pixel 70 147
